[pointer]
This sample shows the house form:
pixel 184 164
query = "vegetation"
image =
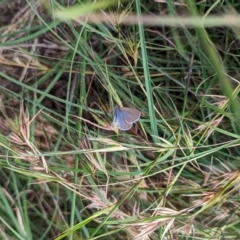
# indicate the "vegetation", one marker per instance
pixel 65 173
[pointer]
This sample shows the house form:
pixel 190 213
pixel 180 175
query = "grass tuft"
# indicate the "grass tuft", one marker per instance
pixel 66 173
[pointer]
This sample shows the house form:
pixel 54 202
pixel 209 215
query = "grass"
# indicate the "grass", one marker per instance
pixel 65 174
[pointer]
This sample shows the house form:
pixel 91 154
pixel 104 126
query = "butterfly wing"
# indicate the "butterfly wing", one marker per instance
pixel 119 121
pixel 130 115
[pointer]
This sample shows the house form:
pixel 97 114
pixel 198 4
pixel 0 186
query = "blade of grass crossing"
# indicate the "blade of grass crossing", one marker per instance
pixel 148 84
pixel 82 98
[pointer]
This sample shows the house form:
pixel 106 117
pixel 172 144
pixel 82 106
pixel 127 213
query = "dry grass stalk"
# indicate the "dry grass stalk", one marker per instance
pixel 19 137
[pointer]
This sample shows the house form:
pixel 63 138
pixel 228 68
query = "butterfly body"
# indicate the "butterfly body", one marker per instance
pixel 123 118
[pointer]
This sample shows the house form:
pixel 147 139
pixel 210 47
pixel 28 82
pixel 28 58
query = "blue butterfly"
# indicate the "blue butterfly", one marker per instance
pixel 123 118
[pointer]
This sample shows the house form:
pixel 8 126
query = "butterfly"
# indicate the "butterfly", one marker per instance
pixel 123 118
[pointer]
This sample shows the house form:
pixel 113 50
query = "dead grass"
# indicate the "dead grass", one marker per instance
pixel 92 182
